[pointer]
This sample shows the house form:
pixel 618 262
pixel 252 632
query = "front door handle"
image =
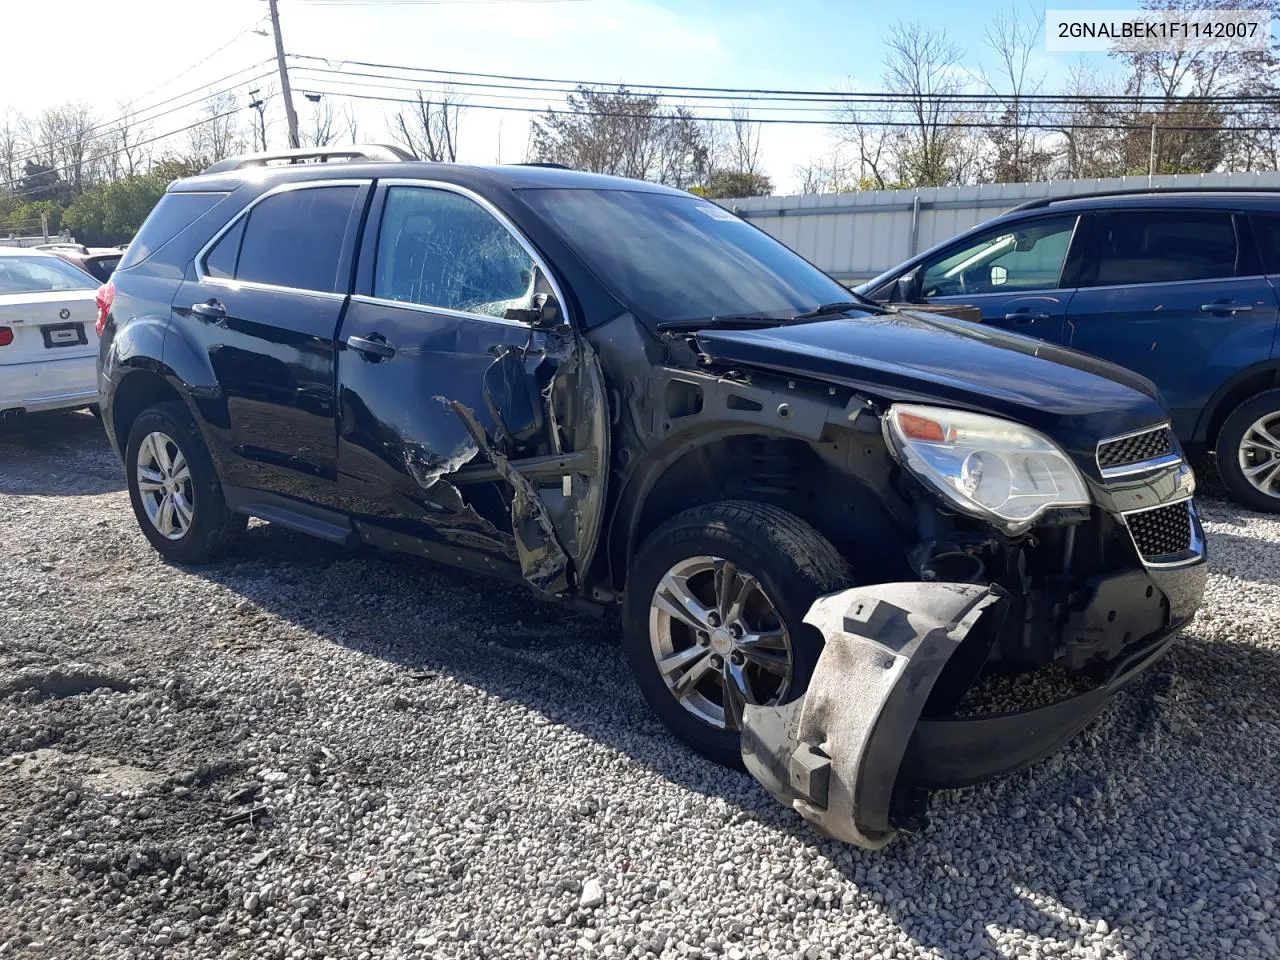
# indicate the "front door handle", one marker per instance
pixel 210 310
pixel 374 347
pixel 1025 316
pixel 1226 306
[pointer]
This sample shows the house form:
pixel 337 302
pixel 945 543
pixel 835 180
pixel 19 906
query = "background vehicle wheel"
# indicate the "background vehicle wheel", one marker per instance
pixel 174 488
pixel 713 617
pixel 1248 452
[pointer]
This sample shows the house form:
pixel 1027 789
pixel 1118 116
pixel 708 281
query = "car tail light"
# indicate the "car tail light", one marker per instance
pixel 106 294
pixel 6 336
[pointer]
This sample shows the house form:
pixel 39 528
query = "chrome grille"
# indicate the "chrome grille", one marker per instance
pixel 1162 532
pixel 1139 447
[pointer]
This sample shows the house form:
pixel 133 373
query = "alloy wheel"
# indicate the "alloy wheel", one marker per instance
pixel 1260 454
pixel 718 641
pixel 164 485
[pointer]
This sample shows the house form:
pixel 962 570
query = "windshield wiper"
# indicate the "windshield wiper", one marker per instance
pixel 748 321
pixel 842 306
pixel 744 322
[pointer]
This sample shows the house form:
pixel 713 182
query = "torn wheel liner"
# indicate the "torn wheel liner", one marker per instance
pixel 854 757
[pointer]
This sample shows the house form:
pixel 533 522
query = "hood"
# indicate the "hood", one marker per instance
pixel 1073 398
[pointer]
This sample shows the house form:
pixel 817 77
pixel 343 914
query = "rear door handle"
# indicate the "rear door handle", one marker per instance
pixel 1226 306
pixel 1025 316
pixel 210 310
pixel 373 347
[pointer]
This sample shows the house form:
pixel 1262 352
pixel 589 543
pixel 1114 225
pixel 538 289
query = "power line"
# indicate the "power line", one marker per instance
pixel 1047 117
pixel 804 122
pixel 199 62
pixel 834 95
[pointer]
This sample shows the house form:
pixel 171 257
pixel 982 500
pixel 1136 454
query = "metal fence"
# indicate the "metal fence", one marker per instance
pixel 854 236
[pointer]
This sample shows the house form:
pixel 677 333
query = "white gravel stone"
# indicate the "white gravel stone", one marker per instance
pixel 479 758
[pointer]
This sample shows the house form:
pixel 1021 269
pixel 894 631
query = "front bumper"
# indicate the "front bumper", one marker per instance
pixel 858 753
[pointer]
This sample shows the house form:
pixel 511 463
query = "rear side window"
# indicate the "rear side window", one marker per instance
pixel 1162 246
pixel 221 261
pixel 291 239
pixel 167 219
pixel 102 267
pixel 1267 230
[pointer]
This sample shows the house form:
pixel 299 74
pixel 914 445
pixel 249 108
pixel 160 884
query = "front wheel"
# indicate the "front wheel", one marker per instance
pixel 174 487
pixel 1248 452
pixel 713 617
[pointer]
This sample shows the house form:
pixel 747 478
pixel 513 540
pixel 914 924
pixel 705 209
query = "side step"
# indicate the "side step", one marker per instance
pixel 302 517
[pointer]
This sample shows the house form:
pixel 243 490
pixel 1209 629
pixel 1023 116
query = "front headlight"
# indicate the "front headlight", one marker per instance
pixel 987 467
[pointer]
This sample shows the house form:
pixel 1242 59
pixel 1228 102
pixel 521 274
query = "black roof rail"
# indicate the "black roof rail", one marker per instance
pixel 1039 202
pixel 373 152
pixel 543 163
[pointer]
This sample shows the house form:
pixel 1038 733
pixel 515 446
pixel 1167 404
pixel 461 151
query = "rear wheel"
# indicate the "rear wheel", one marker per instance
pixel 1248 452
pixel 174 487
pixel 713 617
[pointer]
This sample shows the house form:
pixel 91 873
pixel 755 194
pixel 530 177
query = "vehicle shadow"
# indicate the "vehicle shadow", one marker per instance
pixel 1149 770
pixel 63 453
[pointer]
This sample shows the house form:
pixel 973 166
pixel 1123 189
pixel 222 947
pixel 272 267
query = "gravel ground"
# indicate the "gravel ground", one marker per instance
pixel 306 752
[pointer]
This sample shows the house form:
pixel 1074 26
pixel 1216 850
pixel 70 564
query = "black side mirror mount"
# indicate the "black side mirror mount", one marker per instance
pixel 544 314
pixel 908 286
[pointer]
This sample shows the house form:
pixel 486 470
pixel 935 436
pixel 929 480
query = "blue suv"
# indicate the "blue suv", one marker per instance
pixel 1179 286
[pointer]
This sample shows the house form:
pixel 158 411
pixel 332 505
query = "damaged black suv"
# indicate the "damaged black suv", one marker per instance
pixel 622 394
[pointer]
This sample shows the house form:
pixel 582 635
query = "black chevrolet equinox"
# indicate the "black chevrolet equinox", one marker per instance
pixel 620 394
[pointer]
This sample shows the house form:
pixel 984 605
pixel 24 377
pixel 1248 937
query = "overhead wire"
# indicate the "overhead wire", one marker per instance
pixel 1043 118
pixel 826 122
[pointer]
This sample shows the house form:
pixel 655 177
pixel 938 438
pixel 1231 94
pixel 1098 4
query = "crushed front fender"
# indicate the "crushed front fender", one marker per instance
pixel 836 754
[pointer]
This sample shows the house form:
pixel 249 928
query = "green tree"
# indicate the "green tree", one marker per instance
pixel 112 212
pixel 23 219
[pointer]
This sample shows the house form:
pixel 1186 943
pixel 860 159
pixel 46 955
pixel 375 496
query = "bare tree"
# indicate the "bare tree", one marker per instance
pixel 321 129
pixel 1091 137
pixel 1192 135
pixel 132 156
pixel 61 137
pixel 743 141
pixel 429 128
pixel 10 146
pixel 1018 154
pixel 349 123
pixel 833 173
pixel 914 141
pixel 218 136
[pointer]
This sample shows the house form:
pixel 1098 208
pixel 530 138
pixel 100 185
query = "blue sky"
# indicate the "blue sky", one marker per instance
pixel 813 44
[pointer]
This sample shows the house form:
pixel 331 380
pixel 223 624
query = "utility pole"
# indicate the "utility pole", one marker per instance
pixel 1151 160
pixel 290 116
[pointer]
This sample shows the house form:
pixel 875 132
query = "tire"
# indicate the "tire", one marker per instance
pixel 1262 411
pixel 791 564
pixel 207 527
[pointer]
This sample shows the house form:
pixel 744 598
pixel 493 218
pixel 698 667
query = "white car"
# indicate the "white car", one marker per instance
pixel 48 346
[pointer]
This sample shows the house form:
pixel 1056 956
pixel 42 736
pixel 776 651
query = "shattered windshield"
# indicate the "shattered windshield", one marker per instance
pixel 671 257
